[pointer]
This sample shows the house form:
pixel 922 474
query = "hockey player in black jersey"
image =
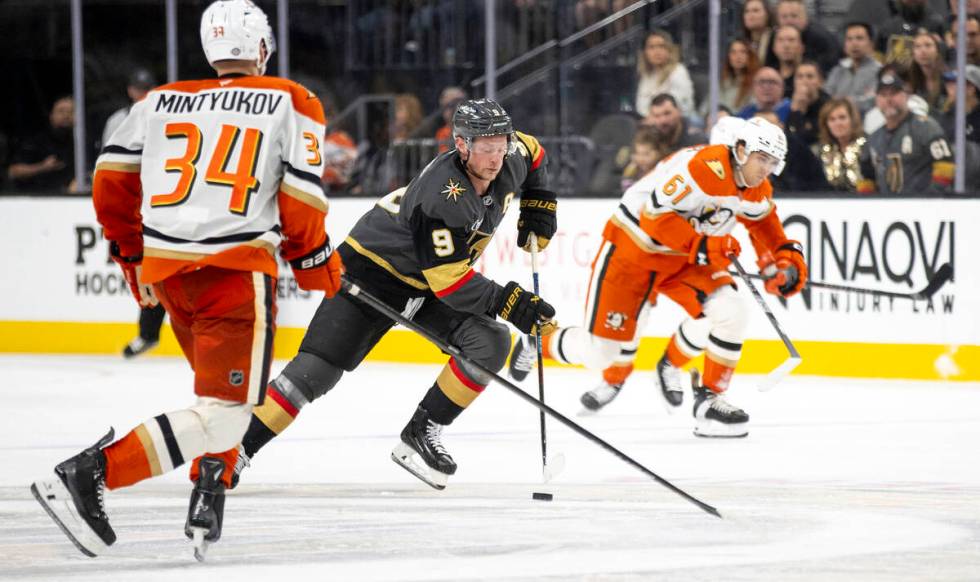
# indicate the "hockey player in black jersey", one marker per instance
pixel 415 250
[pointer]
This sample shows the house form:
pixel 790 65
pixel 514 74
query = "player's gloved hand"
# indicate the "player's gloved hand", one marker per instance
pixel 132 268
pixel 525 310
pixel 714 251
pixel 539 214
pixel 784 272
pixel 319 270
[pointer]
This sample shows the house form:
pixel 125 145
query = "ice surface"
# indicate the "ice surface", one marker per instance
pixel 838 480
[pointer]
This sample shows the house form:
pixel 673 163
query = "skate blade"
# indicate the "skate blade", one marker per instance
pixel 406 457
pixel 711 429
pixel 670 408
pixel 200 544
pixel 58 503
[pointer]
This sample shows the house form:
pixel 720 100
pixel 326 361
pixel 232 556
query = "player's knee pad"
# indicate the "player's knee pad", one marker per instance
pixel 728 314
pixel 224 422
pixel 484 341
pixel 309 375
pixel 693 334
pixel 575 345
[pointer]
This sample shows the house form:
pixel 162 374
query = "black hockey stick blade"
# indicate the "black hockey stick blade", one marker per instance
pixel 353 290
pixel 943 274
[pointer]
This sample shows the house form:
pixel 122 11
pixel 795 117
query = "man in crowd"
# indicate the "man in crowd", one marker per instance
pixel 672 130
pixel 821 46
pixel 909 154
pixel 788 47
pixel 44 163
pixel 767 95
pixel 948 118
pixel 856 75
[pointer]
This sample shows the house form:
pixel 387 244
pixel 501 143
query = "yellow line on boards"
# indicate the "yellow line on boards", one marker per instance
pixel 857 360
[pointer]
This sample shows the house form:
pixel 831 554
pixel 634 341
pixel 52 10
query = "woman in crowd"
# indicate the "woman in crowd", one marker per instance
pixel 661 71
pixel 840 146
pixel 735 90
pixel 757 21
pixel 928 66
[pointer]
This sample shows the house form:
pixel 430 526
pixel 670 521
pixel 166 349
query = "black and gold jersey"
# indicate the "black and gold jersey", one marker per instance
pixel 429 234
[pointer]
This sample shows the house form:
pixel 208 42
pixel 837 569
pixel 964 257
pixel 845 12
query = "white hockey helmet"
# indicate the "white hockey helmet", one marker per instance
pixel 726 130
pixel 234 30
pixel 759 135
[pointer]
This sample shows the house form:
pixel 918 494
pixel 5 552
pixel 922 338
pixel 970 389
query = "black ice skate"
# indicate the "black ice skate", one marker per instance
pixel 668 378
pixel 207 507
pixel 138 346
pixel 74 499
pixel 600 396
pixel 714 416
pixel 421 452
pixel 522 357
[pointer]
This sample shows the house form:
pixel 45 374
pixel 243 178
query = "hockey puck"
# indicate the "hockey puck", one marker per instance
pixel 542 496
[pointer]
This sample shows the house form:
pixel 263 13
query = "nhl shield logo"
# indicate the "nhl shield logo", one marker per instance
pixel 236 377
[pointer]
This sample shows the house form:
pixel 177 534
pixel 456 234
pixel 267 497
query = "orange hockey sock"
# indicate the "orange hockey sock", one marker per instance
pixel 717 375
pixel 128 461
pixel 230 457
pixel 617 374
pixel 675 356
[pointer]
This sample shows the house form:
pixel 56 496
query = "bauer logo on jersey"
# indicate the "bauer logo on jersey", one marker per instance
pixel 453 190
pixel 236 377
pixel 615 320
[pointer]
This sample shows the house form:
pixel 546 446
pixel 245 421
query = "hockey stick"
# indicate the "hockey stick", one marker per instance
pixel 353 290
pixel 794 359
pixel 548 470
pixel 943 274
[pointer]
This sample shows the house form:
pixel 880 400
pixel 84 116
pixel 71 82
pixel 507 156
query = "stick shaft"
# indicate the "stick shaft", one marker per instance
pixel 375 303
pixel 537 342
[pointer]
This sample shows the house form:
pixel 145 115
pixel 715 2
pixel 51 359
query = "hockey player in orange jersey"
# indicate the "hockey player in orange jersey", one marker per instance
pixel 672 235
pixel 195 191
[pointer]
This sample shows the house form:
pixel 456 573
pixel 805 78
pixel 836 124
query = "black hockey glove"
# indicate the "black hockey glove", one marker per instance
pixel 525 310
pixel 539 214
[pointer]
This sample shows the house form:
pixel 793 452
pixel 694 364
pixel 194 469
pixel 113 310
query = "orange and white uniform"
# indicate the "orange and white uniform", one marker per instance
pixel 650 247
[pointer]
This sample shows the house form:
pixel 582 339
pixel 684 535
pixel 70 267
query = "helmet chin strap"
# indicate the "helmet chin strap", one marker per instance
pixel 739 177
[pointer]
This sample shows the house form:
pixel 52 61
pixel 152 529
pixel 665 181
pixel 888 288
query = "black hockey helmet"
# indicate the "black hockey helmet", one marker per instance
pixel 481 118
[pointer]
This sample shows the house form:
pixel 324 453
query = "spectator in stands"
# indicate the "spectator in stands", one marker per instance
pixel 972 7
pixel 897 34
pixel 841 146
pixel 972 41
pixel 448 100
pixel 661 71
pixel 339 148
pixel 757 21
pixel 671 129
pixel 948 118
pixel 807 100
pixel 803 172
pixel 44 163
pixel 767 95
pixel 408 116
pixel 910 154
pixel 927 68
pixel 856 75
pixel 735 90
pixel 643 156
pixel 140 83
pixel 788 48
pixel 874 118
pixel 821 46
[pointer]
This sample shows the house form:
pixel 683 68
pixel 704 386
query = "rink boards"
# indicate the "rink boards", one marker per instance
pixel 62 294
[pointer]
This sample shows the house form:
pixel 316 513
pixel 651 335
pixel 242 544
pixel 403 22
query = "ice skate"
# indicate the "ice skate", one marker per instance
pixel 138 346
pixel 207 507
pixel 243 462
pixel 522 357
pixel 715 417
pixel 598 397
pixel 669 379
pixel 421 452
pixel 74 499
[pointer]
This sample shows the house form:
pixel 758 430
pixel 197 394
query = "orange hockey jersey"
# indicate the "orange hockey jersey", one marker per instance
pixel 216 172
pixel 688 195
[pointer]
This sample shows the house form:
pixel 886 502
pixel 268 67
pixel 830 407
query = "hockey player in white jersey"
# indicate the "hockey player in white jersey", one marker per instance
pixel 196 191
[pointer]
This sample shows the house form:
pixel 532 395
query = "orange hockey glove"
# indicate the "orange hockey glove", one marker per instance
pixel 785 273
pixel 132 268
pixel 714 251
pixel 320 270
